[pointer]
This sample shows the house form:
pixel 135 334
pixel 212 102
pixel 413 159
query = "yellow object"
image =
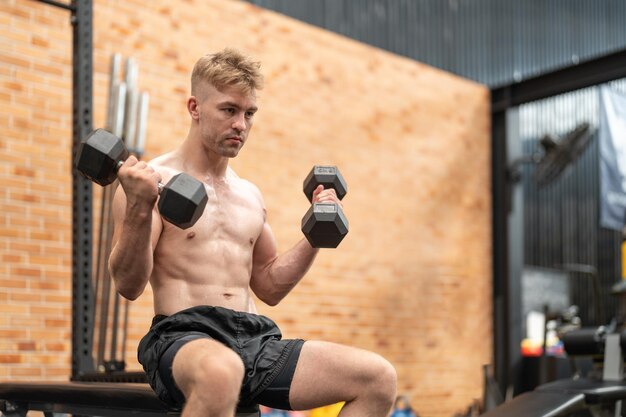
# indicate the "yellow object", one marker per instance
pixel 327 411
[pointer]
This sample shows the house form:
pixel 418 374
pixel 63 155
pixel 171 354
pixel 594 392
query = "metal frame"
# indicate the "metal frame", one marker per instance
pixel 506 301
pixel 82 291
pixel 586 74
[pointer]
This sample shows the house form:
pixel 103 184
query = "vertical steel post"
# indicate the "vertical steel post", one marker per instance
pixel 500 210
pixel 82 291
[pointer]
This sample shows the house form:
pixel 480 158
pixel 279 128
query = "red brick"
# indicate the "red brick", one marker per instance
pixel 27 297
pixel 26 346
pixel 40 41
pixel 26 372
pixel 52 323
pixel 55 334
pixel 56 346
pixel 55 373
pixel 26 272
pixel 8 358
pixel 24 171
pixel 9 334
pixel 45 310
pixel 25 247
pixel 37 285
pixel 12 258
pixel 12 283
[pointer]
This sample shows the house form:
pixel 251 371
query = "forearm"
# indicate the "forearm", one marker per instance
pixel 284 273
pixel 130 263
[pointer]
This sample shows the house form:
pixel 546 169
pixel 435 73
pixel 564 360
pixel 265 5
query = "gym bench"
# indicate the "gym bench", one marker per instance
pixel 600 396
pixel 103 399
pixel 563 397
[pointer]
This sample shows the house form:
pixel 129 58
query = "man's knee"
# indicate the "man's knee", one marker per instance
pixel 384 380
pixel 216 375
pixel 224 370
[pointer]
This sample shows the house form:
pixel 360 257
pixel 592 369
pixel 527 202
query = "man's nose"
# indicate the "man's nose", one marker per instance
pixel 239 123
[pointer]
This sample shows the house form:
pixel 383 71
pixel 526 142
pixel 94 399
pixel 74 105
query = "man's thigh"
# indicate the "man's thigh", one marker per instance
pixel 329 373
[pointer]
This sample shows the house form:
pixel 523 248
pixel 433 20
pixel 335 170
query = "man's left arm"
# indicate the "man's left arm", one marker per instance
pixel 273 275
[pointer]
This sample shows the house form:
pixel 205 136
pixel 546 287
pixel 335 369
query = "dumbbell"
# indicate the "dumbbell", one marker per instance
pixel 181 200
pixel 324 225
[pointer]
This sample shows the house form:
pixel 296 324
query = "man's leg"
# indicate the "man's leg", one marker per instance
pixel 210 376
pixel 328 373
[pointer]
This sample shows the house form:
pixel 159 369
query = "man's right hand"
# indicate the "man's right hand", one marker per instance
pixel 140 183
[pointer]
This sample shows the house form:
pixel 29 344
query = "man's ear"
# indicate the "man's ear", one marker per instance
pixel 192 107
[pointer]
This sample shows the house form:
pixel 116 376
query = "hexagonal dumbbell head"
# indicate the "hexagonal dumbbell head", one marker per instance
pixel 182 200
pixel 99 156
pixel 325 225
pixel 329 177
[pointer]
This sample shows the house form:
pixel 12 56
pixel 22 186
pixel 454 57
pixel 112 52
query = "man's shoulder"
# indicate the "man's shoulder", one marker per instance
pixel 249 184
pixel 247 187
pixel 243 183
pixel 165 160
pixel 167 165
pixel 253 190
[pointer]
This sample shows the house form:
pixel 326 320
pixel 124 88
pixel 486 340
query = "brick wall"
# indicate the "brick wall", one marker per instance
pixel 35 244
pixel 412 279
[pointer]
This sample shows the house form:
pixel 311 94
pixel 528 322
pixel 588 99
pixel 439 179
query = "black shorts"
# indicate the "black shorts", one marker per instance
pixel 269 361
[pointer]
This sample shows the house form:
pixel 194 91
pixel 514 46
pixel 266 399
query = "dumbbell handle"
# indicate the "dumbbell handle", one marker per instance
pixel 160 185
pixel 326 207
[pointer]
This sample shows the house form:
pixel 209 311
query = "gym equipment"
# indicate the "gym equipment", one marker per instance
pixel 556 157
pixel 127 112
pixel 560 155
pixel 182 200
pixel 104 294
pixel 601 393
pixel 103 399
pixel 324 224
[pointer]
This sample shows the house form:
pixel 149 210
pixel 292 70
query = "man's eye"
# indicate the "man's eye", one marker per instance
pixel 229 110
pixel 249 114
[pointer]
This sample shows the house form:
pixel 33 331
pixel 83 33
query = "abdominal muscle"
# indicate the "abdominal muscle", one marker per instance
pixel 193 272
pixel 178 295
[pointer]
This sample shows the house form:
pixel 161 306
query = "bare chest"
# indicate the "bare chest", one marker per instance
pixel 231 215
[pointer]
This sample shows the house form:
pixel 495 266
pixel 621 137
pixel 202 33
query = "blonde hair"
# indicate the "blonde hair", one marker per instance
pixel 227 68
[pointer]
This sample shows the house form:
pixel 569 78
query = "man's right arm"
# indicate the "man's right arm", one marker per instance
pixel 137 230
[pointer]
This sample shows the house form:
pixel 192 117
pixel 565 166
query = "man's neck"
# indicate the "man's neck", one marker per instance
pixel 201 161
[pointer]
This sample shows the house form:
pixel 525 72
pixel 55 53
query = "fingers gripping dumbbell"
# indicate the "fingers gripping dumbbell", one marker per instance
pixel 325 225
pixel 182 199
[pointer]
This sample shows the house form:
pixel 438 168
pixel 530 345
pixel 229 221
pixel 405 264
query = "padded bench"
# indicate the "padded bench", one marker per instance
pixel 88 399
pixel 595 392
pixel 561 398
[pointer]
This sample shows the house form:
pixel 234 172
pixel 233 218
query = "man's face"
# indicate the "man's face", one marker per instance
pixel 224 118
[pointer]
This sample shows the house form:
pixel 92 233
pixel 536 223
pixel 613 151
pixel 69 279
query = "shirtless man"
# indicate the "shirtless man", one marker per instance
pixel 207 349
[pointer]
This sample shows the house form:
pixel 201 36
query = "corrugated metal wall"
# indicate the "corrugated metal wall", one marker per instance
pixel 490 41
pixel 496 42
